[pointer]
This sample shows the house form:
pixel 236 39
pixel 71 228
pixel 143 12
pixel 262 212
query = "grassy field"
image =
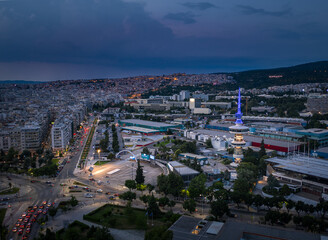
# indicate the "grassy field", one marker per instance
pixel 100 163
pixel 55 161
pixel 78 183
pixel 10 191
pixel 118 217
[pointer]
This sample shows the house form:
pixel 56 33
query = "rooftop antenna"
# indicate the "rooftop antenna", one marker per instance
pixel 239 114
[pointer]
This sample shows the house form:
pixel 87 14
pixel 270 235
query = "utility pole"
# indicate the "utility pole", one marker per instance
pixel 132 170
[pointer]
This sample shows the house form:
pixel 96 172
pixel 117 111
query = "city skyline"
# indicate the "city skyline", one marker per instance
pixel 46 40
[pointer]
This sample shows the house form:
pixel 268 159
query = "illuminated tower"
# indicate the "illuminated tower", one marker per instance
pixel 238 129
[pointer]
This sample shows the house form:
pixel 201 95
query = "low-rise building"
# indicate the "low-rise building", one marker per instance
pixel 185 172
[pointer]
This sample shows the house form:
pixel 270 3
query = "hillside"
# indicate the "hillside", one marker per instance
pixel 304 73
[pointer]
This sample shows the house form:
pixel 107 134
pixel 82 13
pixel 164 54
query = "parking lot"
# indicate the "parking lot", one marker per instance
pixel 114 174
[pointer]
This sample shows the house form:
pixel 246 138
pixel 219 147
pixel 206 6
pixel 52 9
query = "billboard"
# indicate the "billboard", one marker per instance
pixel 145 156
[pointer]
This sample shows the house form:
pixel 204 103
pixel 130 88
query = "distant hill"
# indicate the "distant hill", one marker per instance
pixel 304 73
pixel 18 82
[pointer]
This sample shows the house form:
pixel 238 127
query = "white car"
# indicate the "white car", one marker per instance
pixel 99 190
pixel 88 195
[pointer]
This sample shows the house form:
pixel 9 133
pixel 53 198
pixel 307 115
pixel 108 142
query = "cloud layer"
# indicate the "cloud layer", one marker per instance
pixel 70 38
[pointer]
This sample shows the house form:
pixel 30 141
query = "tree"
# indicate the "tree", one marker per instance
pixel 52 211
pixel 141 187
pixel 175 184
pixel 25 153
pixel 285 190
pixel 299 206
pixel 189 205
pixel 289 205
pixel 140 178
pixel 197 186
pixel 285 218
pixel 236 197
pixel 262 151
pixel 130 184
pixel 219 208
pixel 171 204
pixel 128 196
pixel 272 216
pixel 111 156
pixel 258 201
pixel 209 143
pixel 272 182
pixel 163 184
pixel 73 201
pixel 150 187
pixel 144 199
pixel 153 208
pixel 248 199
pixel 146 151
pixel 241 186
pixel 163 201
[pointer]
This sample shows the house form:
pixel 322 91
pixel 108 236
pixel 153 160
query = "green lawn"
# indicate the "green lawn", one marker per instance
pixel 2 214
pixel 118 217
pixel 99 163
pixel 78 183
pixel 10 191
pixel 55 161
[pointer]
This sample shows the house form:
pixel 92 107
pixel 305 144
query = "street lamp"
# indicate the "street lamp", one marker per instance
pixel 132 170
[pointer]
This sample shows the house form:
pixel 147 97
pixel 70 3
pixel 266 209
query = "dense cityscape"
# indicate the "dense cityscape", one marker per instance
pixel 118 159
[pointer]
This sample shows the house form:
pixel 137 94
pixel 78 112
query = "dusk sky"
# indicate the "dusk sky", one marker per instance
pixel 46 40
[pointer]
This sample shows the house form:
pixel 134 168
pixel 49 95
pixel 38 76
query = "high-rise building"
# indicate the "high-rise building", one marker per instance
pixel 30 137
pixel 61 133
pixel 185 94
pixel 195 103
pixel 238 129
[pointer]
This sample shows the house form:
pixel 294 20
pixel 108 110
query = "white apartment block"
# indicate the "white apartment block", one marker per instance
pixel 61 133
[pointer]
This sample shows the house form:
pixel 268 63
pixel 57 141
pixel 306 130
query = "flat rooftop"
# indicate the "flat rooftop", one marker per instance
pixel 233 230
pixel 302 164
pixel 314 131
pixel 140 129
pixel 191 155
pixel 182 169
pixel 182 229
pixel 147 123
pixel 249 138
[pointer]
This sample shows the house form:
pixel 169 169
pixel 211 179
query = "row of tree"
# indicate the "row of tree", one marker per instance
pixel 115 143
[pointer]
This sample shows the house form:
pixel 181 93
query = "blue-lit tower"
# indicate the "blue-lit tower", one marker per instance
pixel 238 129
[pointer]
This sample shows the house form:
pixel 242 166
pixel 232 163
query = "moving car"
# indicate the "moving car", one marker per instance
pixel 14 229
pixel 99 190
